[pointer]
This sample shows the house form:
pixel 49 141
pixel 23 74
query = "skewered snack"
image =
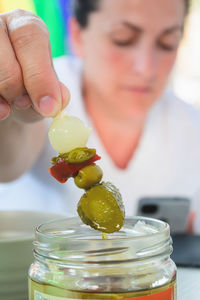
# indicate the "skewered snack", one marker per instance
pixel 101 205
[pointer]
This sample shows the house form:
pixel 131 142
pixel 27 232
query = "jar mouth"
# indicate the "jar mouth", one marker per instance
pixel 68 239
pixel 72 228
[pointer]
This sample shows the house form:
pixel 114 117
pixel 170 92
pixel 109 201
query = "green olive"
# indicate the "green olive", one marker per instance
pixel 101 207
pixel 80 155
pixel 88 176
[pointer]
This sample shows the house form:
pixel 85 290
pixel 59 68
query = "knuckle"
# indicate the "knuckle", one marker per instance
pixel 35 74
pixel 23 39
pixel 27 37
pixel 19 13
pixel 10 77
pixel 27 21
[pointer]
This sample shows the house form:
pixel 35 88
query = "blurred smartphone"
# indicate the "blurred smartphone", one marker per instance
pixel 173 210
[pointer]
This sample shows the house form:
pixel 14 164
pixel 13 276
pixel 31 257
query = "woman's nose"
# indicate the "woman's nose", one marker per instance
pixel 145 62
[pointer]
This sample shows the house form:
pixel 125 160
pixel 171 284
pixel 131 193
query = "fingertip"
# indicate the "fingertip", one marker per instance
pixel 4 109
pixel 22 102
pixel 48 106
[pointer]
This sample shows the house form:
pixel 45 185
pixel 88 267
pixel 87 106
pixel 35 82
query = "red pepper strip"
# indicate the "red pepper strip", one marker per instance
pixel 63 170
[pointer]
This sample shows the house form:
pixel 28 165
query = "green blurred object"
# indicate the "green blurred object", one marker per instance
pixel 50 12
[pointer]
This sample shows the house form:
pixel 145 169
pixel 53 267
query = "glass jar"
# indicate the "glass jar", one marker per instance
pixel 72 261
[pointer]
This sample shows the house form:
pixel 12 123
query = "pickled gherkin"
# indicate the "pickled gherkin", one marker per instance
pixel 101 207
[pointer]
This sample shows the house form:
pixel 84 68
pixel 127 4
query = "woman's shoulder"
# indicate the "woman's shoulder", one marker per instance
pixel 180 123
pixel 181 112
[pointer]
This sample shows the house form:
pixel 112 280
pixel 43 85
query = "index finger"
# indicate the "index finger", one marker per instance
pixel 30 40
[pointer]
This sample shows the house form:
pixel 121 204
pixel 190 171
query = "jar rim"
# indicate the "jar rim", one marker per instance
pixel 79 242
pixel 163 226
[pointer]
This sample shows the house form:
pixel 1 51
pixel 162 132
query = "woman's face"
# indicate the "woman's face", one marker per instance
pixel 129 48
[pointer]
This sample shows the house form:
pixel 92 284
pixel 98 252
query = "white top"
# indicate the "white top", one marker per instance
pixel 166 163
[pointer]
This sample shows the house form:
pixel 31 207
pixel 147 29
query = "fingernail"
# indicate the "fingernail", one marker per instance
pixel 22 102
pixel 48 106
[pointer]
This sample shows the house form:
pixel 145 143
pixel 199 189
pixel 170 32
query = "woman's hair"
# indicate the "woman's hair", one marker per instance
pixel 82 9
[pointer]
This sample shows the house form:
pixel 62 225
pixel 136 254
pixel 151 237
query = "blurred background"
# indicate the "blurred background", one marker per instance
pixel 185 80
pixel 55 14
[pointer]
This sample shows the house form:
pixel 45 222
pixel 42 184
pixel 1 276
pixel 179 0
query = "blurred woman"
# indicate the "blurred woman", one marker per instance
pixel 148 139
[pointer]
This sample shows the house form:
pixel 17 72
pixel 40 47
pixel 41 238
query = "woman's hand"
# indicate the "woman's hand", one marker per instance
pixel 29 88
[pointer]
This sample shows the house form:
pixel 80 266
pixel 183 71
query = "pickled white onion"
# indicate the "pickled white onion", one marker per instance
pixel 67 133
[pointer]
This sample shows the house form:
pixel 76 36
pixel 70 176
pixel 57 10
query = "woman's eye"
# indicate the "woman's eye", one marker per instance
pixel 169 42
pixel 123 43
pixel 123 37
pixel 166 47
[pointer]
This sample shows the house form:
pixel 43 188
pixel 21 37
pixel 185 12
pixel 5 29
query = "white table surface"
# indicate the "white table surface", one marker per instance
pixel 188 284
